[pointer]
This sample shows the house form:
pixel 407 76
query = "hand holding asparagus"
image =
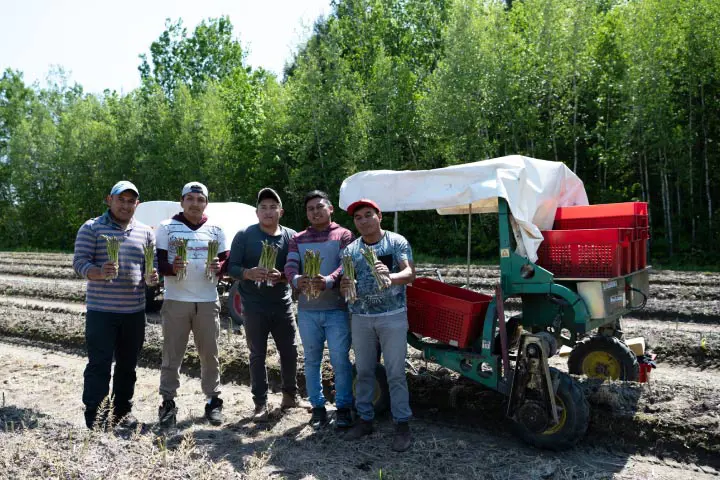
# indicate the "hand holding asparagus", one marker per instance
pixel 211 263
pixel 112 244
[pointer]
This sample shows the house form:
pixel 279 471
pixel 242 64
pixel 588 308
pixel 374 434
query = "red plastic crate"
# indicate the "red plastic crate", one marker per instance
pixel 606 215
pixel 587 253
pixel 449 314
pixel 639 248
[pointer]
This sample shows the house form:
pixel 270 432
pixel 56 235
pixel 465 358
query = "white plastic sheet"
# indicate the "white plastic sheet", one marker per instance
pixel 533 189
pixel 230 216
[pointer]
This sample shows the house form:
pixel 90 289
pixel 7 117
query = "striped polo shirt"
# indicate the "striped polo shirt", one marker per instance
pixel 330 243
pixel 126 293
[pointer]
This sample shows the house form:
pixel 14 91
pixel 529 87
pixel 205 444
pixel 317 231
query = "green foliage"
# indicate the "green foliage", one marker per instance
pixel 625 93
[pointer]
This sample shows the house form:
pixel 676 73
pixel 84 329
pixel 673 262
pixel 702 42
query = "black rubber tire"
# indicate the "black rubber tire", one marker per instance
pixel 574 417
pixel 381 402
pixel 621 353
pixel 235 305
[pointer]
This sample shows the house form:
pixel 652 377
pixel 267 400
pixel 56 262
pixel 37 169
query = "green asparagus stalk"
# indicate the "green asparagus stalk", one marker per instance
pixel 213 246
pixel 149 252
pixel 112 245
pixel 349 272
pixel 181 251
pixel 371 258
pixel 312 269
pixel 268 258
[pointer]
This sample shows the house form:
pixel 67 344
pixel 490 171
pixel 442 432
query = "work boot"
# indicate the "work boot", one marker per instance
pixel 213 411
pixel 361 428
pixel 402 438
pixel 293 400
pixel 167 413
pixel 261 414
pixel 343 418
pixel 318 418
pixel 127 421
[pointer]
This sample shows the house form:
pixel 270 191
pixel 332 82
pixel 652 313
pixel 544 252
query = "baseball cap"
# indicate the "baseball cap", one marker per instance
pixel 268 192
pixel 363 202
pixel 122 186
pixel 194 187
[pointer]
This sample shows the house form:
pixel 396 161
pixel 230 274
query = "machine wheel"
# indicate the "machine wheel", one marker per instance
pixel 235 304
pixel 605 358
pixel 381 398
pixel 573 413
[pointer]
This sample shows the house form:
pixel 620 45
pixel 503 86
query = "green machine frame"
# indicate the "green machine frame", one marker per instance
pixel 548 305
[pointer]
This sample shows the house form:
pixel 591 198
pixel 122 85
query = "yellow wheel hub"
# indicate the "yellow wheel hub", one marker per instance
pixel 601 365
pixel 562 417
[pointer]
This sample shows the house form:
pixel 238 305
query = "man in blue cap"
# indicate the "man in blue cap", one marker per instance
pixel 115 320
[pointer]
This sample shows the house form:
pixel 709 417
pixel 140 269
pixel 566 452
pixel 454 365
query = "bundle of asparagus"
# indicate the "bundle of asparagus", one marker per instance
pixel 149 252
pixel 112 244
pixel 371 258
pixel 268 257
pixel 312 269
pixel 349 272
pixel 181 252
pixel 213 246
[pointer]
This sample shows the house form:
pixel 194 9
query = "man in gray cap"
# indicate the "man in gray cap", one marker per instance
pixel 266 301
pixel 115 319
pixel 191 300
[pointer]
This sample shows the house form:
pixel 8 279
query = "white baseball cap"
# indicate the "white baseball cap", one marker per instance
pixel 122 186
pixel 194 187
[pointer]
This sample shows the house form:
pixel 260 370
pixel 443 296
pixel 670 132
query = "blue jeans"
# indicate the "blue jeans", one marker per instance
pixel 315 327
pixel 391 332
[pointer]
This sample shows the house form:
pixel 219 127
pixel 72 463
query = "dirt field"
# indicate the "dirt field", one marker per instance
pixel 668 428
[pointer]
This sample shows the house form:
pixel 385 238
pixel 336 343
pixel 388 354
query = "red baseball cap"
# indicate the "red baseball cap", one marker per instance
pixel 363 202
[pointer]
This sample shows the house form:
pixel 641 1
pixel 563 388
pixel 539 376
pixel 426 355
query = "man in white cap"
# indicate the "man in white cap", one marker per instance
pixel 191 301
pixel 115 319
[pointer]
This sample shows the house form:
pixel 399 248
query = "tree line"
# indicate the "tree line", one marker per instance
pixel 626 93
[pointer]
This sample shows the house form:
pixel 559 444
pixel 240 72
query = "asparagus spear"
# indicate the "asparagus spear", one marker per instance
pixel 112 245
pixel 149 252
pixel 371 258
pixel 181 251
pixel 213 246
pixel 349 272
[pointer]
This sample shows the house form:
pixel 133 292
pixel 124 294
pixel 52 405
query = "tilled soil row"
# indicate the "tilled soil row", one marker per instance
pixel 663 417
pixel 39 271
pixel 57 289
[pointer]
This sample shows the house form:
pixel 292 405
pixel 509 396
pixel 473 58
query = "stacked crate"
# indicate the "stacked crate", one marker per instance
pixel 596 241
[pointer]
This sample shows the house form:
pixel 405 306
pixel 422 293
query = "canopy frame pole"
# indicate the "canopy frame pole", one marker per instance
pixel 395 223
pixel 469 243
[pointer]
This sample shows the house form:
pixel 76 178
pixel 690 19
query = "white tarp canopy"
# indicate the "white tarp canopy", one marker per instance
pixel 230 216
pixel 533 189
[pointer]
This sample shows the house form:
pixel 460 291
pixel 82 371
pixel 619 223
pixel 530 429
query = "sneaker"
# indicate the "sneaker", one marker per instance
pixel 213 411
pixel 167 413
pixel 361 428
pixel 343 418
pixel 293 400
pixel 261 414
pixel 402 438
pixel 318 418
pixel 91 418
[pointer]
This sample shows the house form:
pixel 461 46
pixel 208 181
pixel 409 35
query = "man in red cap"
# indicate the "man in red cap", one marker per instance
pixel 379 315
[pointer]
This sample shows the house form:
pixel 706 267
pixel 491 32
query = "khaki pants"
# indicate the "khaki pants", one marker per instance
pixel 178 320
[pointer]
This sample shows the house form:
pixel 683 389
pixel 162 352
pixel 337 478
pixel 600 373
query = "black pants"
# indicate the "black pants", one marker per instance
pixel 112 334
pixel 258 325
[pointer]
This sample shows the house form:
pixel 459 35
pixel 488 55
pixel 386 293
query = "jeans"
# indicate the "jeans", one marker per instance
pixel 315 327
pixel 258 325
pixel 108 335
pixel 178 320
pixel 391 332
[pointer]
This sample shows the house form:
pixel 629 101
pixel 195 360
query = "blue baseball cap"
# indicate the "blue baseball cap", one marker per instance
pixel 122 186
